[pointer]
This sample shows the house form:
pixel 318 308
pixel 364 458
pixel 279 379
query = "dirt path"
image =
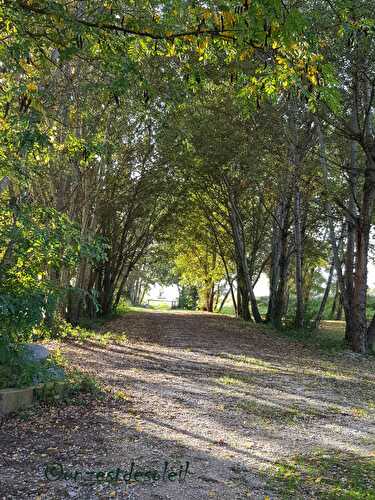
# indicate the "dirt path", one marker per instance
pixel 229 399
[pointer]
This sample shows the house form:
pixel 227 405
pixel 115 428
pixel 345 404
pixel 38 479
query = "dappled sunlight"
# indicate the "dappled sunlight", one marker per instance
pixel 211 392
pixel 240 394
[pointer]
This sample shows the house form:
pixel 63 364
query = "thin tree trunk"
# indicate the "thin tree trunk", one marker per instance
pixel 332 235
pixel 325 296
pixel 279 261
pixel 299 318
pixel 238 235
pixel 335 301
pixel 224 300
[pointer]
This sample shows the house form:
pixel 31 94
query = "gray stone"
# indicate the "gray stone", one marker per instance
pixel 51 373
pixel 35 352
pixel 56 373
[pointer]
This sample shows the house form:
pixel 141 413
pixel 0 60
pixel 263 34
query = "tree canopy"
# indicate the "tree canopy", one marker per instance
pixel 203 144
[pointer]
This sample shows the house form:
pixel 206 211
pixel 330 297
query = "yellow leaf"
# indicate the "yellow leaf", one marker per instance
pixel 229 18
pixel 32 87
pixel 206 14
pixel 171 50
pixel 3 124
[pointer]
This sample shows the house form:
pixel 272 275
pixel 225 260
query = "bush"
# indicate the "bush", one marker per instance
pixel 17 372
pixel 188 298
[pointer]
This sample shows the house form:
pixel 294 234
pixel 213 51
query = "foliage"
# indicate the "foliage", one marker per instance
pixel 33 240
pixel 193 143
pixel 78 383
pixel 188 298
pixel 16 371
pixel 327 338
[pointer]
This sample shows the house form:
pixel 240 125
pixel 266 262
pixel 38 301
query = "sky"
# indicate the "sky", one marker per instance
pixel 261 289
pixel 171 292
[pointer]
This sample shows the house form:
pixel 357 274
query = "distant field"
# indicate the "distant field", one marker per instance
pixel 333 325
pixel 156 304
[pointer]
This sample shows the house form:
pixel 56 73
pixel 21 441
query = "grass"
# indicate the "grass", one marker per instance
pixel 330 337
pixel 229 310
pixel 17 372
pixel 89 330
pixel 273 414
pixel 82 335
pixel 160 306
pixel 326 475
pixel 325 339
pixel 235 380
pixel 76 384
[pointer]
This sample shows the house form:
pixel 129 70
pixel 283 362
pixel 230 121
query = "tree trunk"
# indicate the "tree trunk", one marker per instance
pixel 279 261
pixel 243 297
pixel 358 327
pixel 338 316
pixel 299 318
pixel 325 296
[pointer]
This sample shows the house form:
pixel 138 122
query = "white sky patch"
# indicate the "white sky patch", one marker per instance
pixel 261 289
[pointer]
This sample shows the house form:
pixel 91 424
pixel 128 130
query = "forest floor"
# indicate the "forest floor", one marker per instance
pixel 255 414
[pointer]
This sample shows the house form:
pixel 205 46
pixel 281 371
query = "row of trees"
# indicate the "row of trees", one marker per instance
pixel 191 144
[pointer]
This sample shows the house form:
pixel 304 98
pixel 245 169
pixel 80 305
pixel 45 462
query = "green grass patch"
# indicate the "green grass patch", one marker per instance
pixel 76 384
pixel 121 395
pixel 159 306
pixel 229 310
pixel 235 379
pixel 65 331
pixel 324 339
pixel 87 331
pixel 326 475
pixel 270 413
pixel 249 360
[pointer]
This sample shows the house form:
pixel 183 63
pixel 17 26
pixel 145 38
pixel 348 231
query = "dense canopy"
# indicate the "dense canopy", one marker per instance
pixel 201 144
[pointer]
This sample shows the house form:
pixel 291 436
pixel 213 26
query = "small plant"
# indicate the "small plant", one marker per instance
pixel 75 384
pixel 65 331
pixel 121 395
pixel 235 380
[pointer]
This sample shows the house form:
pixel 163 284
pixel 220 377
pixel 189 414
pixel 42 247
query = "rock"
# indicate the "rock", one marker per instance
pixel 56 373
pixel 52 373
pixel 35 352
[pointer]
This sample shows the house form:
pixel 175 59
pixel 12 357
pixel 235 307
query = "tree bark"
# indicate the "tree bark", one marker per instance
pixel 300 309
pixel 325 296
pixel 279 261
pixel 240 251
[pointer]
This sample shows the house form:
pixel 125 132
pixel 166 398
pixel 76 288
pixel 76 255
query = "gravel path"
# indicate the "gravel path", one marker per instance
pixel 230 399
